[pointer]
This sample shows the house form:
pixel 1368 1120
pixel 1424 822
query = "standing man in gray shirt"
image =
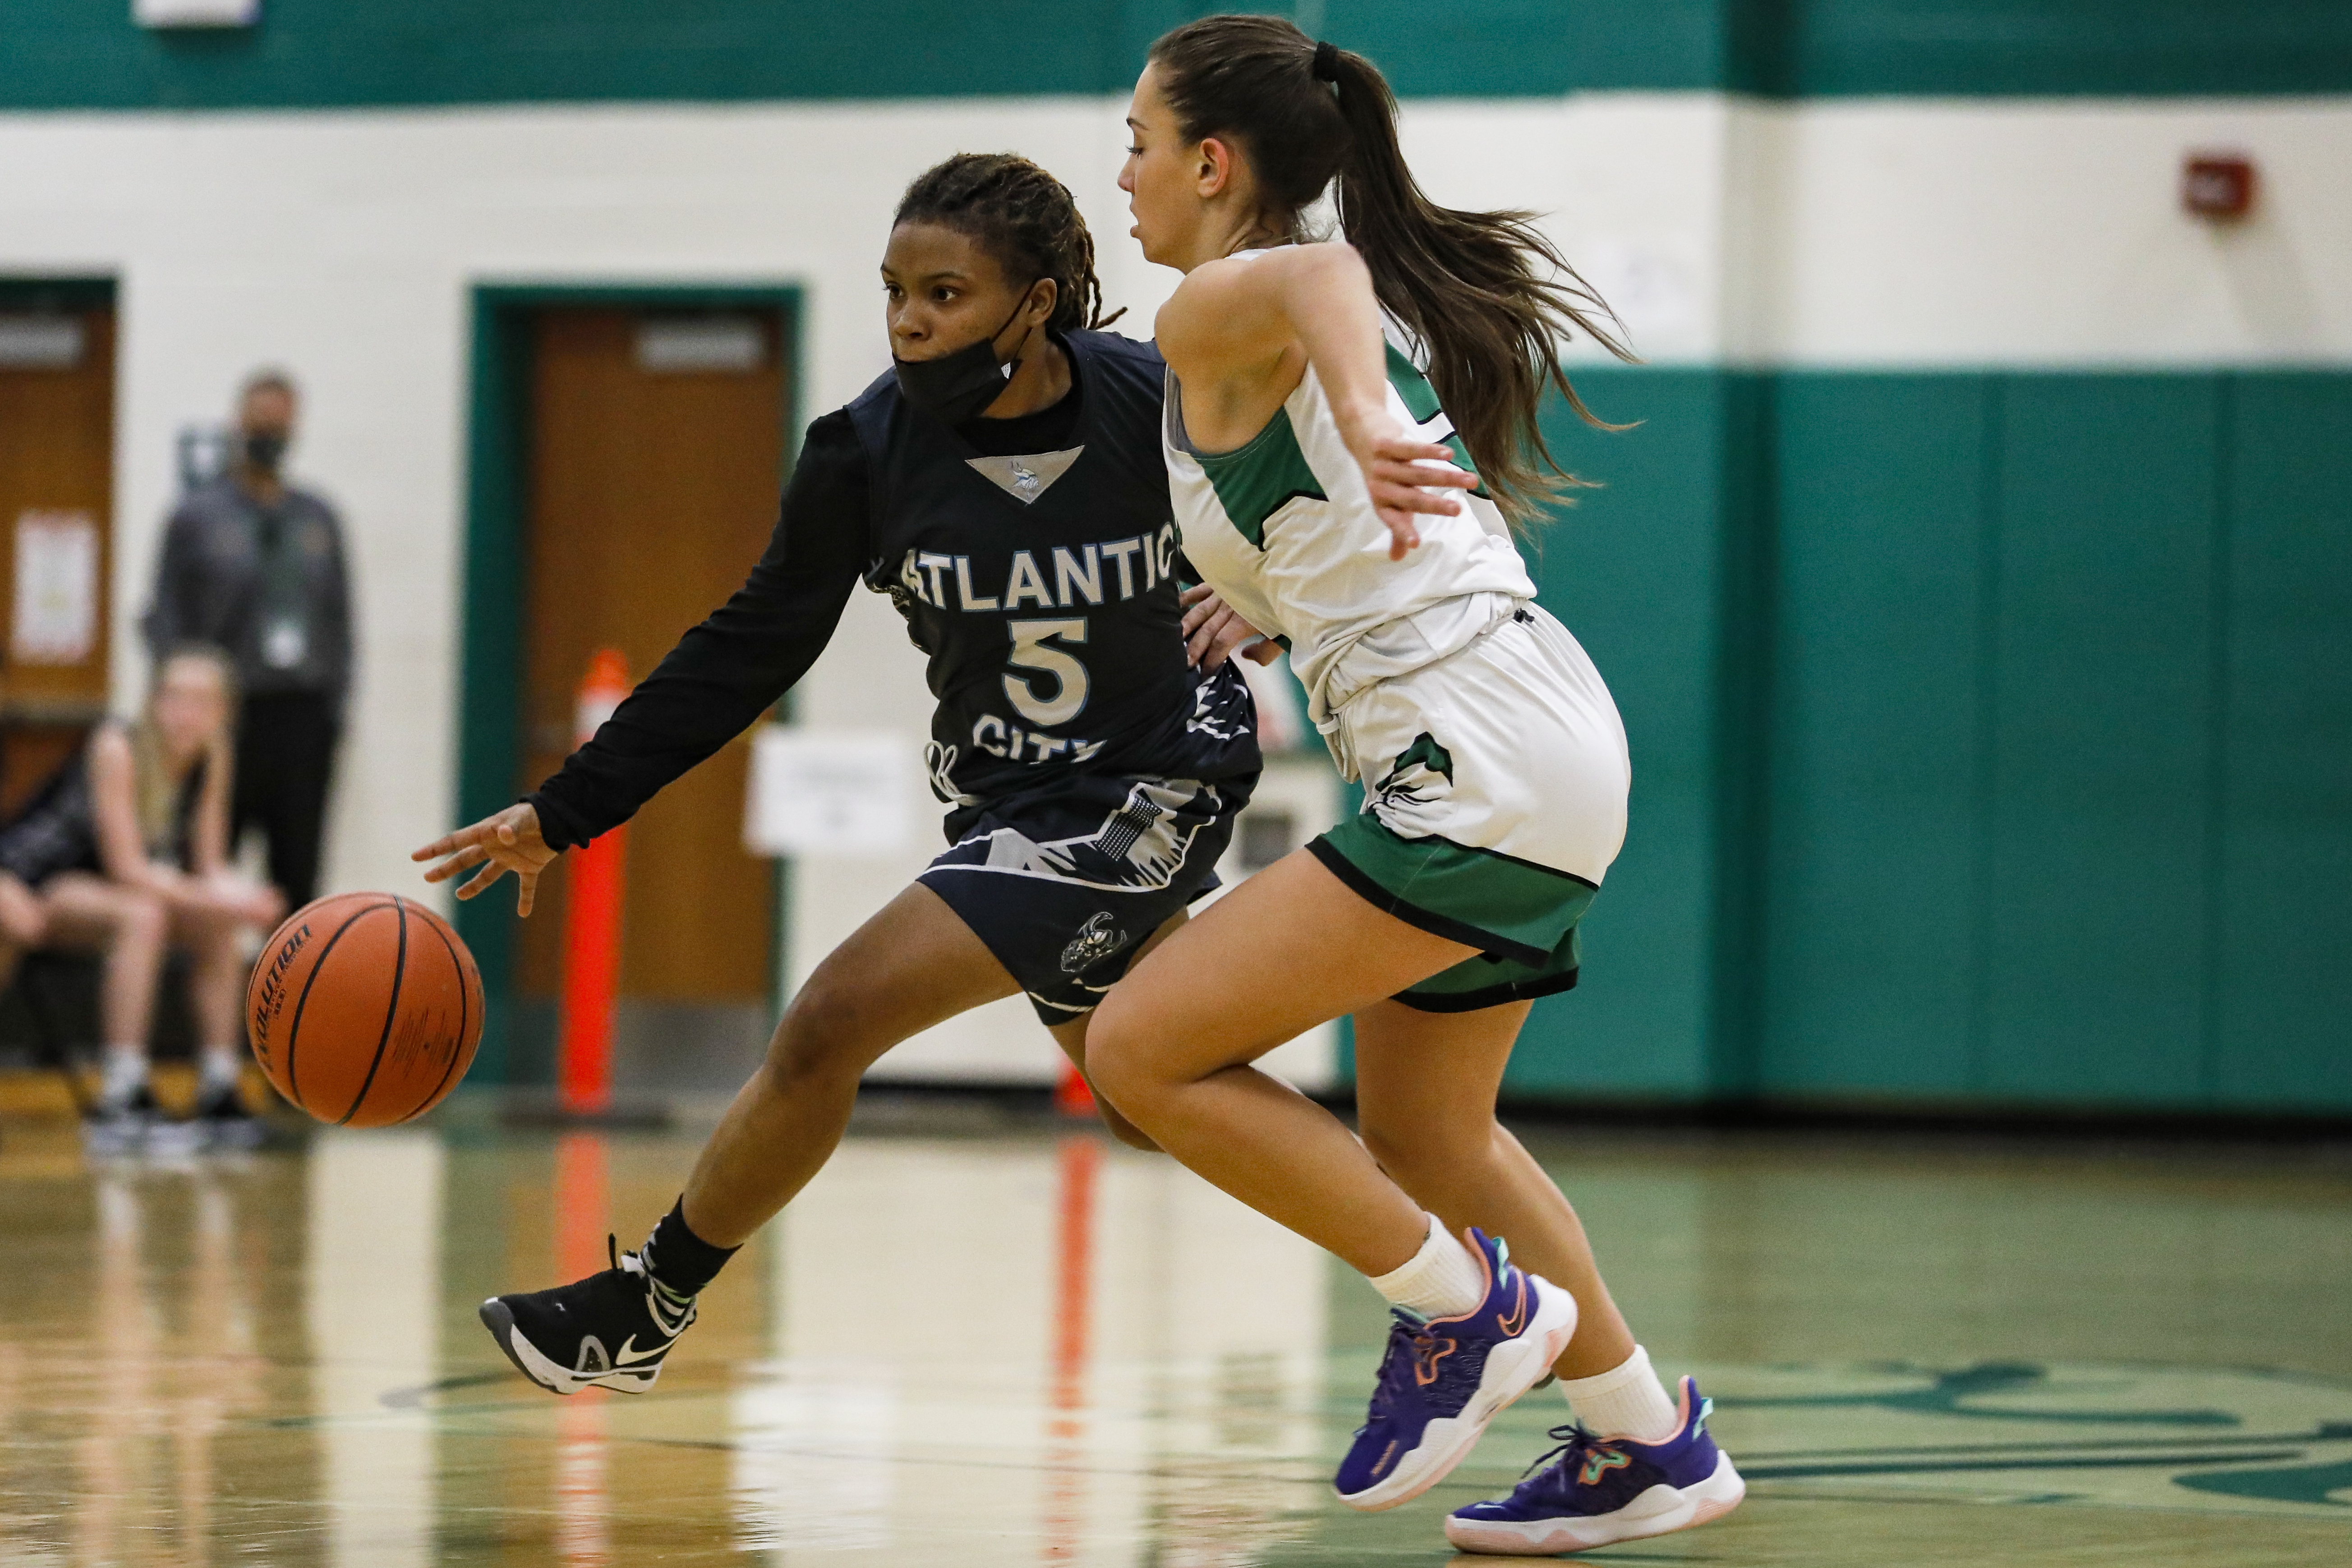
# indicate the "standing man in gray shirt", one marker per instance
pixel 254 566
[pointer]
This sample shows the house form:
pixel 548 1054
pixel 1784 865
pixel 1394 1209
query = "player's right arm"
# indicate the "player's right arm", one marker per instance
pixel 716 683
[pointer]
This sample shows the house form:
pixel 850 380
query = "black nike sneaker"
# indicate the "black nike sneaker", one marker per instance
pixel 612 1330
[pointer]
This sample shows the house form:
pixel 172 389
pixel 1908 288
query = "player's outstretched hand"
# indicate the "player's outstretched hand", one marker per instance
pixel 508 841
pixel 1408 476
pixel 1215 632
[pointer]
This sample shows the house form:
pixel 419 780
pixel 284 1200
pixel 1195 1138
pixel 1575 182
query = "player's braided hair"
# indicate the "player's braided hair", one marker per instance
pixel 1026 219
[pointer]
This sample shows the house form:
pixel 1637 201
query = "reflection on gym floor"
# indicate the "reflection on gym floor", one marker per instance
pixel 1037 1348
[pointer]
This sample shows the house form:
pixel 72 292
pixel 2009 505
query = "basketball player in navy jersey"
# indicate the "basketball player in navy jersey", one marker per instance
pixel 1003 485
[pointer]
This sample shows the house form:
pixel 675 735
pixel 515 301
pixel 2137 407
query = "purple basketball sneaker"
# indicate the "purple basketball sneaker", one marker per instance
pixel 1443 1379
pixel 1600 1489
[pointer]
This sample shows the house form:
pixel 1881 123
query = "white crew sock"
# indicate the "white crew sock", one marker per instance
pixel 1627 1401
pixel 123 1074
pixel 1441 1280
pixel 224 1069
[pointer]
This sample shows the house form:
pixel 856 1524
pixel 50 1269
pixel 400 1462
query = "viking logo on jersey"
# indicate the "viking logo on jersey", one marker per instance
pixel 1096 938
pixel 1416 773
pixel 1138 846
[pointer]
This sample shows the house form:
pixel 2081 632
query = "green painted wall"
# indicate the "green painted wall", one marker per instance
pixel 1992 740
pixel 2101 730
pixel 1879 675
pixel 87 54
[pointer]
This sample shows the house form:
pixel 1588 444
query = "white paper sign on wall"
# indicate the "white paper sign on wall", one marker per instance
pixel 828 792
pixel 55 616
pixel 41 343
pixel 682 346
pixel 196 12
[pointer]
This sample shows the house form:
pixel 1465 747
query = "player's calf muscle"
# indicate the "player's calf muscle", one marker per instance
pixel 1431 1162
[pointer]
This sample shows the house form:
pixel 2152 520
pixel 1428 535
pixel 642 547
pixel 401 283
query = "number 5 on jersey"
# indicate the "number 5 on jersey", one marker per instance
pixel 1033 649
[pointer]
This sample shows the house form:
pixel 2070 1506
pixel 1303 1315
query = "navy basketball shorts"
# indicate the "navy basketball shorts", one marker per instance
pixel 1064 883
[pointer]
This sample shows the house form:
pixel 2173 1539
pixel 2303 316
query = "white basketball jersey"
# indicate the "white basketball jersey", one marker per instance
pixel 1282 528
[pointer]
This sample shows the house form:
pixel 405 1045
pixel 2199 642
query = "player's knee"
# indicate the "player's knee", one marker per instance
pixel 1120 1069
pixel 824 1032
pixel 1126 1131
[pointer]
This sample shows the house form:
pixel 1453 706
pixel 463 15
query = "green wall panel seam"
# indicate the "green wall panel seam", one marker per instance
pixel 1742 700
pixel 2217 731
pixel 1987 721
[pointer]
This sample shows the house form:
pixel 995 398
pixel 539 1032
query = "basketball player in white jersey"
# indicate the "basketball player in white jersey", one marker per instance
pixel 1352 491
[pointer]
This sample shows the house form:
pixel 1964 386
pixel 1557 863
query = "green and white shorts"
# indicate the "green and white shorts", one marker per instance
pixel 1494 784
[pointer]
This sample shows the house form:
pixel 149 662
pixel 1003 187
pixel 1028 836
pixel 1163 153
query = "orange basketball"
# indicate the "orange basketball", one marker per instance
pixel 364 1009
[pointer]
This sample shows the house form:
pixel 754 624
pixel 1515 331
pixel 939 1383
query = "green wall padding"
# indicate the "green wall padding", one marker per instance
pixel 2103 737
pixel 2283 1035
pixel 88 54
pixel 1992 740
pixel 1872 904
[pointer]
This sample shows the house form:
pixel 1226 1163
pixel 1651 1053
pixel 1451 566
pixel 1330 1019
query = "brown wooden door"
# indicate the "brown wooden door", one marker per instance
pixel 654 470
pixel 56 513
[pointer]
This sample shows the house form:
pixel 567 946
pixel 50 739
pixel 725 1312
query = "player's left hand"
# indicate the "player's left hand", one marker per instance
pixel 1213 631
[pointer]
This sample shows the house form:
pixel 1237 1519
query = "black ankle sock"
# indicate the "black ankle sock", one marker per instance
pixel 682 1259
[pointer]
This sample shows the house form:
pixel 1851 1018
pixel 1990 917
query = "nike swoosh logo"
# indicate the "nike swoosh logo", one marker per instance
pixel 623 1358
pixel 1514 1322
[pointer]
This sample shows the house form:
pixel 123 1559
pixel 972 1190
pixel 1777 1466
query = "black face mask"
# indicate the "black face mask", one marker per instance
pixel 265 449
pixel 956 386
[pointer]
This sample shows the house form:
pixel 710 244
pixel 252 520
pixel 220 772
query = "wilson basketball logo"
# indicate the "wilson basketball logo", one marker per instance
pixel 269 990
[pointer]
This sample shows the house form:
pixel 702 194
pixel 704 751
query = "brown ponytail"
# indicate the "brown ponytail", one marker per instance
pixel 1485 293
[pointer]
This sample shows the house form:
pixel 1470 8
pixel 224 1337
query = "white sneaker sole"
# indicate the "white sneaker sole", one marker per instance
pixel 1512 1368
pixel 499 1319
pixel 1661 1510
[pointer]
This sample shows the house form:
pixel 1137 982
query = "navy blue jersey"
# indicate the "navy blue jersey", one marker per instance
pixel 1035 561
pixel 1043 586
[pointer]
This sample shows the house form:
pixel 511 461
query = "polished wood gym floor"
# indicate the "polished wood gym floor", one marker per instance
pixel 980 1345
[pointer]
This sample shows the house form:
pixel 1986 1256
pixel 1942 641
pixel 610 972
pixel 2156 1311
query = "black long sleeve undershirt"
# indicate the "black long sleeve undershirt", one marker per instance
pixel 727 672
